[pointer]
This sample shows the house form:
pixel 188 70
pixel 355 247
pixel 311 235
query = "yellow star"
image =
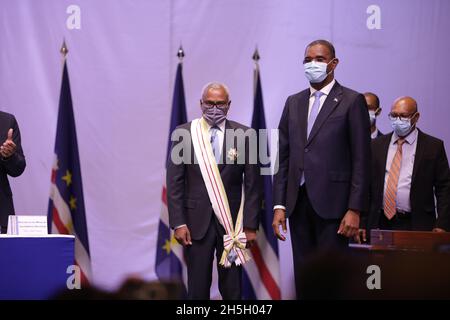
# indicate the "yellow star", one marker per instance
pixel 67 178
pixel 167 246
pixel 73 203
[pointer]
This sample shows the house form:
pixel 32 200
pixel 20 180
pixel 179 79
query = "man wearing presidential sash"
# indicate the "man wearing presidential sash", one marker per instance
pixel 214 194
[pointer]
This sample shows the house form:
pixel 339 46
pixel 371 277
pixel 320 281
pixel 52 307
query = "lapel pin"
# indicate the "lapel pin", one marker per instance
pixel 335 100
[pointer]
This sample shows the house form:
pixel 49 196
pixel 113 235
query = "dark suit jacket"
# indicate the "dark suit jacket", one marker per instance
pixel 187 198
pixel 13 166
pixel 430 178
pixel 335 159
pixel 379 134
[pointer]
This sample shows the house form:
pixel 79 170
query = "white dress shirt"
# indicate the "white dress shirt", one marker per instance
pixel 326 91
pixel 409 147
pixel 374 134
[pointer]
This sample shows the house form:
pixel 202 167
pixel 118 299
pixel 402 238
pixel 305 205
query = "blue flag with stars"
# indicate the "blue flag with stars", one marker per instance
pixel 170 263
pixel 66 211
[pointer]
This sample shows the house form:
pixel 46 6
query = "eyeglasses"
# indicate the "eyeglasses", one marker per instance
pixel 218 104
pixel 394 117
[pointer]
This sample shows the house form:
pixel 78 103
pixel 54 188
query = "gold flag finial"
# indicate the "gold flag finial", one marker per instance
pixel 64 49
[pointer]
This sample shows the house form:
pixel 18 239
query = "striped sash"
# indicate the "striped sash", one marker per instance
pixel 234 240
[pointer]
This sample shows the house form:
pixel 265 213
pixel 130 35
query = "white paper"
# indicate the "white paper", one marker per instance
pixel 27 225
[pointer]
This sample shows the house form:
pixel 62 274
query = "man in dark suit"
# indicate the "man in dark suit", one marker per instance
pixel 324 160
pixel 373 106
pixel 409 170
pixel 190 209
pixel 12 163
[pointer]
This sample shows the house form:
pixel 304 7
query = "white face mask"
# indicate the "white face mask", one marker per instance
pixel 315 71
pixel 372 117
pixel 402 128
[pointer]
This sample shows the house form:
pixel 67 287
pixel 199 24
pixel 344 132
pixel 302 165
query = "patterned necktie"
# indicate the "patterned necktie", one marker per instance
pixel 215 143
pixel 314 111
pixel 390 194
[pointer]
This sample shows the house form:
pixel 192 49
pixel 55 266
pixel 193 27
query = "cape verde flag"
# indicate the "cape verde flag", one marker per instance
pixel 170 263
pixel 261 279
pixel 66 211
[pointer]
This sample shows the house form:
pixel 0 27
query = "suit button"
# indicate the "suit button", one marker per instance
pixel 306 150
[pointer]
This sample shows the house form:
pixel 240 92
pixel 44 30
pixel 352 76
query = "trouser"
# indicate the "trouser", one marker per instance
pixel 401 221
pixel 311 233
pixel 200 257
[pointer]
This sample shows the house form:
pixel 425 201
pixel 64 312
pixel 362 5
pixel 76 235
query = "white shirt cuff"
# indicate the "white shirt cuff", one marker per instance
pixel 178 227
pixel 279 207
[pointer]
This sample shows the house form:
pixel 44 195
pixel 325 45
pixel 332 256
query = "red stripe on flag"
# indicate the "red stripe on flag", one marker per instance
pixel 53 179
pixel 63 230
pixel 84 279
pixel 58 223
pixel 265 275
pixel 164 195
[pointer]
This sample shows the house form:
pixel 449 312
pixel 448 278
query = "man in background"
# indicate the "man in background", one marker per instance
pixel 409 170
pixel 373 106
pixel 12 163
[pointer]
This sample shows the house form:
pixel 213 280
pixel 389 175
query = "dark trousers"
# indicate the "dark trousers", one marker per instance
pixel 200 257
pixel 398 222
pixel 311 233
pixel 3 229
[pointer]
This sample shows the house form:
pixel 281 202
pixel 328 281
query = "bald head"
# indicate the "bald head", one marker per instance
pixel 404 106
pixel 373 102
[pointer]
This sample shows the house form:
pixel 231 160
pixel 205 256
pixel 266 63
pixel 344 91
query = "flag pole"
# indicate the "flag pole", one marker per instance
pixel 64 50
pixel 255 58
pixel 180 54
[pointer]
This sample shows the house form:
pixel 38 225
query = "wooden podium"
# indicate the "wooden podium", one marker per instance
pixel 414 265
pixel 409 240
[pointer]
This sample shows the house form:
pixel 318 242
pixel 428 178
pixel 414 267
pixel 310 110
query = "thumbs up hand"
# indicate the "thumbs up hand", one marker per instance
pixel 8 147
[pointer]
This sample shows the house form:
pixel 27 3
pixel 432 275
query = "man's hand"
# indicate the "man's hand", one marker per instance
pixel 279 218
pixel 361 236
pixel 438 230
pixel 350 224
pixel 183 236
pixel 8 147
pixel 250 234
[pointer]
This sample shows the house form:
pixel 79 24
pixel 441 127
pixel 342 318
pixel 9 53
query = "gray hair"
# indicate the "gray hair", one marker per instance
pixel 215 85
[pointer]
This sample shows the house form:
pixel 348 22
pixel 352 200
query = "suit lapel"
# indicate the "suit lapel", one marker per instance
pixel 331 102
pixel 383 157
pixel 419 154
pixel 303 116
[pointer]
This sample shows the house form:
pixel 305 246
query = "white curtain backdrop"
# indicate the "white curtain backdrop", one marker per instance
pixel 122 62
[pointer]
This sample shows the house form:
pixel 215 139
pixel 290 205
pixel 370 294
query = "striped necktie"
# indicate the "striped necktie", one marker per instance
pixel 390 194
